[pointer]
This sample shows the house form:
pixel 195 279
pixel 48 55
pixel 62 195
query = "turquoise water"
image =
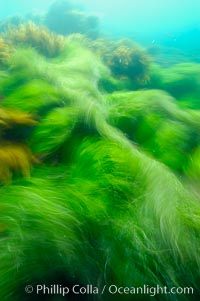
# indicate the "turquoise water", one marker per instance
pixel 148 17
pixel 157 22
pixel 166 28
pixel 142 16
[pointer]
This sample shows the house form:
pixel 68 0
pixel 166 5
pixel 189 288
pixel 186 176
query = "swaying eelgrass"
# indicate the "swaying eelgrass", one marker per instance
pixel 181 80
pixel 131 232
pixel 153 119
pixel 98 210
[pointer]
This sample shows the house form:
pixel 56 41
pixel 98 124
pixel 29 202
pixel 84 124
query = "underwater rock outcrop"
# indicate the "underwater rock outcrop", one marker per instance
pixel 125 58
pixel 65 17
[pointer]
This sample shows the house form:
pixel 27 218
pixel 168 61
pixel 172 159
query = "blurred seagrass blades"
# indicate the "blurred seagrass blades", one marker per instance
pixel 39 37
pixel 65 93
pixel 181 80
pixel 153 119
pixel 110 201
